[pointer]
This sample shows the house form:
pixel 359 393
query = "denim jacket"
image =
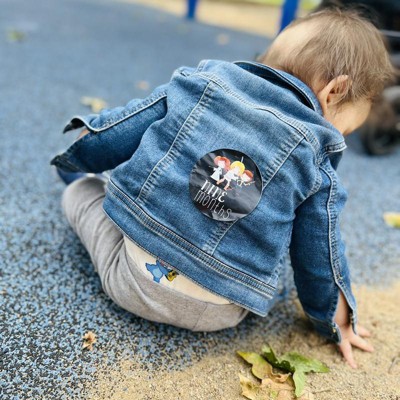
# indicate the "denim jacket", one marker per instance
pixel 203 122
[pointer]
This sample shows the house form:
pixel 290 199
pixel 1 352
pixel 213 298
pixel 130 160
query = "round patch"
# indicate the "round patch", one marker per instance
pixel 225 185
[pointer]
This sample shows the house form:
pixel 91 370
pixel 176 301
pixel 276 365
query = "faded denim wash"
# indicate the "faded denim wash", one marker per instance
pixel 151 145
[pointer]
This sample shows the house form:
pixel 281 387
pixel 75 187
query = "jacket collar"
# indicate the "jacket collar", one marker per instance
pixel 307 95
pixel 335 143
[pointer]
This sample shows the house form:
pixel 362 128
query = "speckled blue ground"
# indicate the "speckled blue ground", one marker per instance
pixel 49 295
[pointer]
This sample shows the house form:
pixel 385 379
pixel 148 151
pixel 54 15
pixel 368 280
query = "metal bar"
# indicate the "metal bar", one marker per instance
pixel 191 14
pixel 289 10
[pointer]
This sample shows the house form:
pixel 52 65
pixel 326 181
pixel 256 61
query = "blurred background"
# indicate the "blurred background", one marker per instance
pixel 67 57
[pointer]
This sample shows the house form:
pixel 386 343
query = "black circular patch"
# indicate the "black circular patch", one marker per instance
pixel 225 185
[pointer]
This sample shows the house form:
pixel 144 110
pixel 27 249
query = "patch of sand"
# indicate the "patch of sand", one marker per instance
pixel 260 19
pixel 215 377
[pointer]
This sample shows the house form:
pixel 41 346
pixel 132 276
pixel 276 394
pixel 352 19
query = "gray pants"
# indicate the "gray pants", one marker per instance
pixel 122 280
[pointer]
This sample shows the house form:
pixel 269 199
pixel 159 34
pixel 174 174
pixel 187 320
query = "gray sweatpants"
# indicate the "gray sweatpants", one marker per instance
pixel 122 280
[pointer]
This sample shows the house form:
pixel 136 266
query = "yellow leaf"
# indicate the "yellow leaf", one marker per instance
pixel 95 103
pixel 392 219
pixel 261 368
pixel 15 36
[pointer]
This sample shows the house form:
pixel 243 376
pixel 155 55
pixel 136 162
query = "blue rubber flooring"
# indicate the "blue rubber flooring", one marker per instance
pixel 49 294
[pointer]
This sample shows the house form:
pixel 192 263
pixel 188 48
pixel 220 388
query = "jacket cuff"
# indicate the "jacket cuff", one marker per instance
pixel 327 329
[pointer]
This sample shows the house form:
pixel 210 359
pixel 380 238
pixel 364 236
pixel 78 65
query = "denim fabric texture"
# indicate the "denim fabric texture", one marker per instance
pixel 151 145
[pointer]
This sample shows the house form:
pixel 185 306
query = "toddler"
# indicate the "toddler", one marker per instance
pixel 221 171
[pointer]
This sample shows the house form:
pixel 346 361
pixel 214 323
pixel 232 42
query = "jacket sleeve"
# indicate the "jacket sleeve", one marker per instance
pixel 114 134
pixel 318 258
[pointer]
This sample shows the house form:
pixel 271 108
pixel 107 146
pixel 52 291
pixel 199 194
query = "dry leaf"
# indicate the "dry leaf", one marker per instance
pixel 392 219
pixel 95 103
pixel 261 368
pixel 271 390
pixel 275 386
pixel 254 391
pixel 143 85
pixel 223 39
pixel 89 339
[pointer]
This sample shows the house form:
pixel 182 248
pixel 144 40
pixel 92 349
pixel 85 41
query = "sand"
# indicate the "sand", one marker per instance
pixel 215 376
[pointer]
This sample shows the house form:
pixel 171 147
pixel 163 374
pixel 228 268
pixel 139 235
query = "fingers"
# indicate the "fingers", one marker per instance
pixel 354 340
pixel 363 332
pixel 362 344
pixel 346 350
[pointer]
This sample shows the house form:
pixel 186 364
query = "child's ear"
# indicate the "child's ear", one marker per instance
pixel 333 92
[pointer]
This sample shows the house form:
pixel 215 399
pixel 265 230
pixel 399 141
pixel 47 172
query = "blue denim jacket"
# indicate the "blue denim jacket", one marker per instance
pixel 258 116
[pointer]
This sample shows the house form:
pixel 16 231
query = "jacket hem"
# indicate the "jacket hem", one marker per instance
pixel 185 257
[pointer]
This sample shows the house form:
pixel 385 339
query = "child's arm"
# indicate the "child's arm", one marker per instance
pixel 111 137
pixel 320 267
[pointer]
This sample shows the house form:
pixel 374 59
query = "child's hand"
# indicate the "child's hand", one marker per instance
pixel 349 339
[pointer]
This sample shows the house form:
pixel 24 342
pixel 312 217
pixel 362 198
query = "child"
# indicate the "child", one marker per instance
pixel 180 248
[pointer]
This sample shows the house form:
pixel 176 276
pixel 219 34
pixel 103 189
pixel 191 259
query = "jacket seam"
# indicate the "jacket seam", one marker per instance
pixel 334 258
pixel 269 290
pixel 178 137
pixel 175 268
pixel 267 183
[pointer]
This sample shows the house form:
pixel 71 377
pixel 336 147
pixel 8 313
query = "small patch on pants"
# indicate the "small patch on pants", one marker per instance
pixel 159 271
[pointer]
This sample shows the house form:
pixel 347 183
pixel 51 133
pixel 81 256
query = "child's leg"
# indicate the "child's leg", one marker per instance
pixel 83 206
pixel 122 280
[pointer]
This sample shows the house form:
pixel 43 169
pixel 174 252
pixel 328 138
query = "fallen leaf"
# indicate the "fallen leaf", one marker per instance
pixel 392 219
pixel 254 391
pixel 261 368
pixel 95 103
pixel 296 363
pixel 223 39
pixel 89 339
pixel 143 85
pixel 15 36
pixel 270 390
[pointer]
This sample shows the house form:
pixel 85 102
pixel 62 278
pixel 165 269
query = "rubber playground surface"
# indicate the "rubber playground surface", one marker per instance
pixel 53 54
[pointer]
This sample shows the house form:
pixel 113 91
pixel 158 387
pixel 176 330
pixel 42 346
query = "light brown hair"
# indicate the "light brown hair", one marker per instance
pixel 339 42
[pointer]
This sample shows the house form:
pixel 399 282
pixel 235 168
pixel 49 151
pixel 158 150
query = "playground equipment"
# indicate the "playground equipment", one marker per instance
pixel 289 10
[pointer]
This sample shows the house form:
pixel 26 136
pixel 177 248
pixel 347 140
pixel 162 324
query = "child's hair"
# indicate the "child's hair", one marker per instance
pixel 340 42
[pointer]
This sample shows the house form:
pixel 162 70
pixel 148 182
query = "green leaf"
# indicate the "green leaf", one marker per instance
pixel 269 354
pixel 261 369
pixel 296 363
pixel 299 379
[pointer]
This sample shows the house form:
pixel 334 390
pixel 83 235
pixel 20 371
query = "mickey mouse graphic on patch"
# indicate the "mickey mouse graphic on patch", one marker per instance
pixel 225 185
